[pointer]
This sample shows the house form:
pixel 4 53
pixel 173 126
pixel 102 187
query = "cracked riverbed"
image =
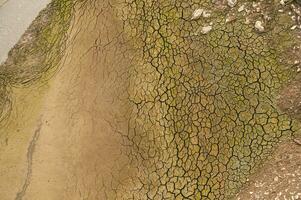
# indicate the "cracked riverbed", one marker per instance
pixel 149 100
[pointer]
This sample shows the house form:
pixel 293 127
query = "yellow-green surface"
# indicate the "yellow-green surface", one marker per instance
pixel 204 113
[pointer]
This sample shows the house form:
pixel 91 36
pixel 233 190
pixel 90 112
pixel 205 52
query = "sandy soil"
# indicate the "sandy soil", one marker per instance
pixel 71 146
pixel 76 148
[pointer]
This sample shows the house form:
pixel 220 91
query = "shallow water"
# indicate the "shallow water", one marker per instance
pixel 15 18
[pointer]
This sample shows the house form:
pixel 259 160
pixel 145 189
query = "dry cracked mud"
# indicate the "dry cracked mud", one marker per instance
pixel 142 99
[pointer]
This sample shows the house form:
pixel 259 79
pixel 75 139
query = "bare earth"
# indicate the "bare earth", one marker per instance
pixel 62 141
pixel 62 156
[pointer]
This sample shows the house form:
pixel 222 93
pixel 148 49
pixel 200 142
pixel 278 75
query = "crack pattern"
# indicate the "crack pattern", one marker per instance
pixel 29 156
pixel 202 106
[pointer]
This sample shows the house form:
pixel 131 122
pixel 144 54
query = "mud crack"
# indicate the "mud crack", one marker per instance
pixel 30 152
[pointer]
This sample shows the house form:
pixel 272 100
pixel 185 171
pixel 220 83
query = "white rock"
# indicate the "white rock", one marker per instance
pixel 230 18
pixel 294 27
pixel 241 8
pixel 232 3
pixel 206 29
pixel 197 13
pixel 259 26
pixel 293 18
pixel 268 18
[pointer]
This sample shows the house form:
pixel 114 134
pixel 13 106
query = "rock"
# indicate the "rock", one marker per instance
pixel 230 18
pixel 232 3
pixel 206 29
pixel 197 13
pixel 282 2
pixel 241 8
pixel 200 13
pixel 259 26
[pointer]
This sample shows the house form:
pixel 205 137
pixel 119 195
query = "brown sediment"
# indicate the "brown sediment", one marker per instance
pixel 79 150
pixel 279 177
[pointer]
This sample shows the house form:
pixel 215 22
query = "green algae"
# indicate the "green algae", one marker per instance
pixel 35 58
pixel 41 47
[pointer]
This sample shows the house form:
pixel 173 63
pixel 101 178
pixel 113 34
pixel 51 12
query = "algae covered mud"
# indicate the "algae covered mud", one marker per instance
pixel 15 17
pixel 148 99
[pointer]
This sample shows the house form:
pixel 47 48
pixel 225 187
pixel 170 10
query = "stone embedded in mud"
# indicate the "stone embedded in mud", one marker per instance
pixel 197 13
pixel 206 29
pixel 200 13
pixel 232 3
pixel 259 26
pixel 241 8
pixel 282 2
pixel 230 18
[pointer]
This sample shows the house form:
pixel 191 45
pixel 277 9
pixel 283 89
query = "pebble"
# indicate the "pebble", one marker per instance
pixel 282 2
pixel 232 3
pixel 230 18
pixel 294 18
pixel 200 12
pixel 259 26
pixel 197 13
pixel 268 18
pixel 241 8
pixel 206 29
